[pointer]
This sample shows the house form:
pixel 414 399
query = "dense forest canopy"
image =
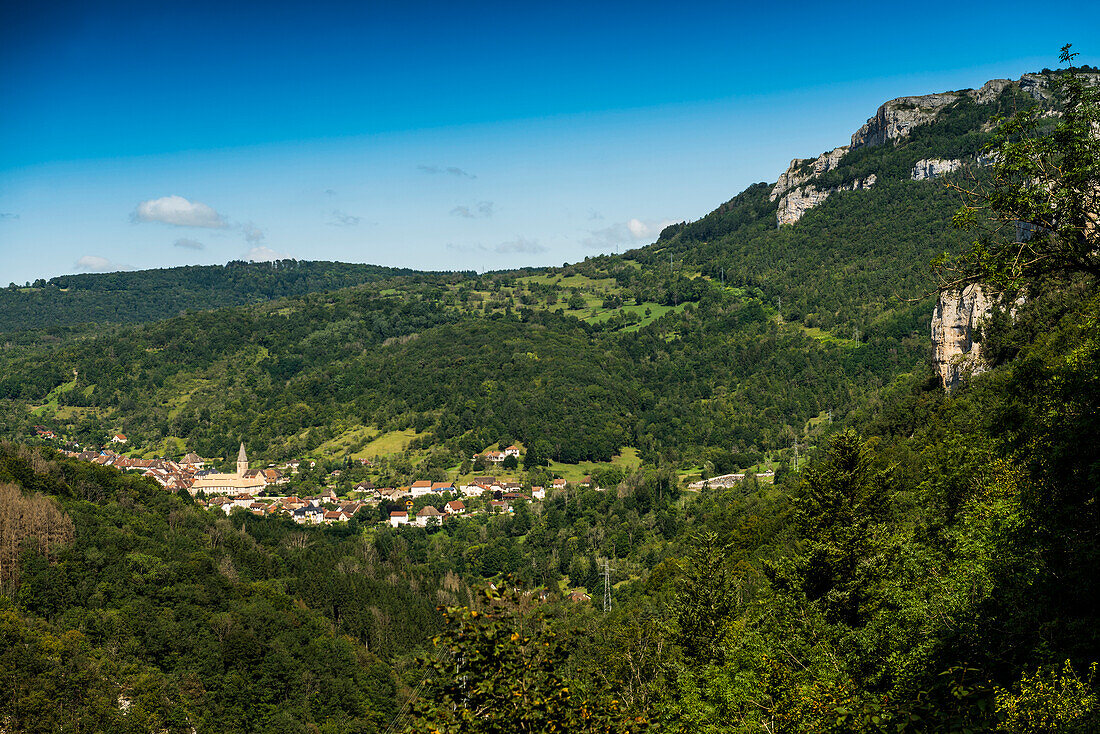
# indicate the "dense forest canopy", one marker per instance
pixel 151 295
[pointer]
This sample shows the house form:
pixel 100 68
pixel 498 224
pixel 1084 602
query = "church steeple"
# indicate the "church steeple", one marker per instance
pixel 242 461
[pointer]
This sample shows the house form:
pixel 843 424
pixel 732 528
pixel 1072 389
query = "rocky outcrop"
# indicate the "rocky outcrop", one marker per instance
pixel 956 353
pixel 930 168
pixel 989 91
pixel 802 170
pixel 795 203
pixel 796 191
pixel 796 197
pixel 896 118
pixel 1037 86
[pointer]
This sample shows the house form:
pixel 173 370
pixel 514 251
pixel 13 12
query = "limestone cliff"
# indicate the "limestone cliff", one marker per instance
pixel 956 319
pixel 796 191
pixel 796 197
pixel 930 168
pixel 794 204
pixel 802 170
pixel 897 117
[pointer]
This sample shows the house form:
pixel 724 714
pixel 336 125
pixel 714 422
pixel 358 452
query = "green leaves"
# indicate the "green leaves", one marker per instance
pixel 498 670
pixel 1038 212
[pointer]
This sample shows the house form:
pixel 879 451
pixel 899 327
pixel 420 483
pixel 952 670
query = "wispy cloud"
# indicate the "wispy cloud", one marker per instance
pixel 446 170
pixel 97 264
pixel 179 212
pixel 455 247
pixel 187 244
pixel 330 192
pixel 520 244
pixel 625 233
pixel 343 219
pixel 483 210
pixel 252 233
pixel 7 216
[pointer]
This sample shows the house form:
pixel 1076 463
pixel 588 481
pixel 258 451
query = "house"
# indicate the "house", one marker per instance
pixel 441 487
pixel 511 451
pixel 119 438
pixel 398 518
pixel 391 494
pixel 335 516
pixel 420 488
pixel 309 515
pixel 579 596
pixel 193 461
pixel 273 476
pixel 427 513
pixel 472 490
pixel 455 507
pixel 558 484
pixel 350 508
pixel 538 493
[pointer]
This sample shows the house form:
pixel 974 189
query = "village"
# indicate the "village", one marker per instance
pixel 262 492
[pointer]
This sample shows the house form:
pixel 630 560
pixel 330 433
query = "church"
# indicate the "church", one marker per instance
pixel 231 484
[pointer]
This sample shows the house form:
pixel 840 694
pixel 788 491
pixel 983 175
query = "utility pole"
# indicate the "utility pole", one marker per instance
pixel 794 445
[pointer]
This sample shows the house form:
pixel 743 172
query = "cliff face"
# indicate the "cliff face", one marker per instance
pixel 796 192
pixel 955 322
pixel 796 197
pixel 930 168
pixel 897 117
pixel 797 202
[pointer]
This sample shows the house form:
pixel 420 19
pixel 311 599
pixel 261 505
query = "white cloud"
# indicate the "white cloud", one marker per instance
pixel 97 264
pixel 189 244
pixel 178 211
pixel 263 254
pixel 625 233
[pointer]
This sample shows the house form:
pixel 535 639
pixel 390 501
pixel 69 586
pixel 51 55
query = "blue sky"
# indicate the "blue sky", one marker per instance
pixel 444 135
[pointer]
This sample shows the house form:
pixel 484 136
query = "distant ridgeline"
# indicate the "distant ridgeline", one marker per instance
pixel 152 295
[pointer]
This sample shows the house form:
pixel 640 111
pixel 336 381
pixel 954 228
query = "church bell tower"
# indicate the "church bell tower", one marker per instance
pixel 242 461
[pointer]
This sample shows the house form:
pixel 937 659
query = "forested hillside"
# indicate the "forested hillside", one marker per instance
pixel 152 295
